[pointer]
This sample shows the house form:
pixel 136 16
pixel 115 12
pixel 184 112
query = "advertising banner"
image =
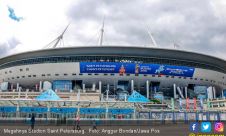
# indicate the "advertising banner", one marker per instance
pixel 132 68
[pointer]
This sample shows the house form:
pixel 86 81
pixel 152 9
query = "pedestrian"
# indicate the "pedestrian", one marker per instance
pixel 94 124
pixel 77 123
pixel 32 121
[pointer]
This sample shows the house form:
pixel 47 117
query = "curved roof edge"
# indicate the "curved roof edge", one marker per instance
pixel 120 51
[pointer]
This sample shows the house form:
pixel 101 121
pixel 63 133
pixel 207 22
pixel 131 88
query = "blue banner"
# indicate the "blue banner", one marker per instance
pixel 132 68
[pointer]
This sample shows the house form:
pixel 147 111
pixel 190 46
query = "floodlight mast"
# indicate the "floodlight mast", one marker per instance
pixel 152 39
pixel 101 34
pixel 57 40
pixel 60 37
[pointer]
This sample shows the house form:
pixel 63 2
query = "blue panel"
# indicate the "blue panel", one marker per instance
pixel 34 109
pixel 121 111
pixel 63 110
pixel 132 68
pixel 7 109
pixel 62 85
pixel 92 110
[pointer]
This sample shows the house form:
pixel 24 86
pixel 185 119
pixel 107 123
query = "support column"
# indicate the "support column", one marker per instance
pixel 174 91
pixel 12 87
pixel 106 113
pixel 93 87
pixel 100 86
pixel 17 110
pixel 17 87
pixel 83 88
pixel 107 92
pixel 186 91
pixel 26 96
pixel 134 112
pixel 40 86
pixel 214 93
pixel 132 85
pixel 147 88
pixel 125 98
pixel 48 111
pixel 19 92
pixel 78 95
pixel 222 93
pixel 102 97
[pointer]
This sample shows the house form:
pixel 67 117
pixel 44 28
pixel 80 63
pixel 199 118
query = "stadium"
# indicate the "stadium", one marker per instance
pixel 111 83
pixel 95 69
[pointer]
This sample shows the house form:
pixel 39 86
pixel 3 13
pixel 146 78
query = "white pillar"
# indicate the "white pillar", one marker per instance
pixel 125 98
pixel 100 84
pixel 84 88
pixel 186 91
pixel 19 92
pixel 132 85
pixel 12 87
pixel 17 87
pixel 26 96
pixel 78 95
pixel 147 88
pixel 214 93
pixel 93 87
pixel 40 86
pixel 222 93
pixel 107 94
pixel 102 97
pixel 174 91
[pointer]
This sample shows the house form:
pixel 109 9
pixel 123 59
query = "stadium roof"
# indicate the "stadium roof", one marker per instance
pixel 143 52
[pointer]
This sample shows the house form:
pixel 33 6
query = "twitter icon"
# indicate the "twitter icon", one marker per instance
pixel 205 127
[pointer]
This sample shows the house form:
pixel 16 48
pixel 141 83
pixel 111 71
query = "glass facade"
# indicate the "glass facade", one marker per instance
pixel 62 85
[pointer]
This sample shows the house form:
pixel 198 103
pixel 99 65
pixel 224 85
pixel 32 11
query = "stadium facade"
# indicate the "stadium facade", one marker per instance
pixel 114 70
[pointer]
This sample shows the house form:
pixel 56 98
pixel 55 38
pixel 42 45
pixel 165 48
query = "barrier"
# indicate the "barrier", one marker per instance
pixel 63 110
pixel 8 109
pixel 33 109
pixel 121 111
pixel 92 110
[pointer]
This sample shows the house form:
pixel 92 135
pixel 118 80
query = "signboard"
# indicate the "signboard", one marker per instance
pixel 132 68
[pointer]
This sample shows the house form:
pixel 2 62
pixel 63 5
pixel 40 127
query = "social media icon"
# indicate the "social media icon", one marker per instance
pixel 219 127
pixel 194 127
pixel 191 134
pixel 206 127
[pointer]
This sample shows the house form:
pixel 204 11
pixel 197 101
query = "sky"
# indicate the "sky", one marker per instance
pixel 194 25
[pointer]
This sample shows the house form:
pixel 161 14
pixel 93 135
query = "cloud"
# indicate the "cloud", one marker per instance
pixel 198 26
pixel 8 46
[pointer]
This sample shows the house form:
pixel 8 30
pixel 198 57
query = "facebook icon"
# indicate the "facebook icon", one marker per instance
pixel 194 127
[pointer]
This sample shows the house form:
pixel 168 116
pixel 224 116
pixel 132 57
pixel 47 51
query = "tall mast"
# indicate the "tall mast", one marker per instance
pixel 60 37
pixel 152 38
pixel 101 34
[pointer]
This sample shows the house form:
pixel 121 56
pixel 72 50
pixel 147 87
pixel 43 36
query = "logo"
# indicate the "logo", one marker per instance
pixel 219 127
pixel 191 134
pixel 205 127
pixel 194 127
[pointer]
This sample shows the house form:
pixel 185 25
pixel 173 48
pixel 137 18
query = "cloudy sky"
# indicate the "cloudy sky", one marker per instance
pixel 195 25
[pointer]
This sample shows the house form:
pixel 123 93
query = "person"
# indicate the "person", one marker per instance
pixel 77 123
pixel 32 121
pixel 94 124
